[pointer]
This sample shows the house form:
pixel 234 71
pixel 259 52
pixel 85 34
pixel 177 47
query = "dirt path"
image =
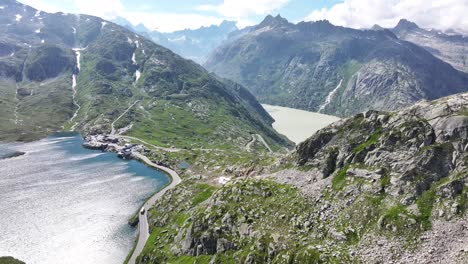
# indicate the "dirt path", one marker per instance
pixel 261 139
pixel 249 145
pixel 118 118
pixel 258 137
pixel 148 144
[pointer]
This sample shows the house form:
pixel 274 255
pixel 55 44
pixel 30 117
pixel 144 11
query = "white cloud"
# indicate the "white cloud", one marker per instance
pixel 439 14
pixel 168 22
pixel 41 5
pixel 102 8
pixel 244 8
pixel 237 10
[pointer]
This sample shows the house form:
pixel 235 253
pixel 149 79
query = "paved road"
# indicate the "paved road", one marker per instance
pixel 143 219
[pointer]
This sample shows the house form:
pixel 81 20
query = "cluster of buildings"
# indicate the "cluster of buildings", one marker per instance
pixel 112 144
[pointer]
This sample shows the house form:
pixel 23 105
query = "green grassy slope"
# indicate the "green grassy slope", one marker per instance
pixel 180 103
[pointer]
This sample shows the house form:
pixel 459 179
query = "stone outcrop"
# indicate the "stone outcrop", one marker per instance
pixel 375 188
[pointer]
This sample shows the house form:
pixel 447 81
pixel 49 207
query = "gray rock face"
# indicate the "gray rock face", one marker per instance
pixel 401 177
pixel 426 140
pixel 320 67
pixel 450 48
pixel 375 188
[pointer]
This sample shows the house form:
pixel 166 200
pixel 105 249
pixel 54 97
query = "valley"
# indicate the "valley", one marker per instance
pixel 319 67
pixel 229 141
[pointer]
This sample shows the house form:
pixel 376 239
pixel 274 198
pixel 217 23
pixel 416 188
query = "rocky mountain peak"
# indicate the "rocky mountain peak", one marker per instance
pixel 377 27
pixel 226 24
pixel 404 24
pixel 273 21
pixel 448 46
pixel 303 64
pixel 141 28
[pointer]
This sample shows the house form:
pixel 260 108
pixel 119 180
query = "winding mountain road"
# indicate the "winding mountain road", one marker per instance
pixel 143 218
pixel 258 137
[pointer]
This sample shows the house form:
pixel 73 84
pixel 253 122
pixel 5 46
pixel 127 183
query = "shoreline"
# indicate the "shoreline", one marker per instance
pixel 150 170
pixel 135 219
pixel 153 194
pixel 129 152
pixel 174 181
pixel 132 152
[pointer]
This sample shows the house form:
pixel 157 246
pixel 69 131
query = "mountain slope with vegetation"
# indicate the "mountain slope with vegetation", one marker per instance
pixel 65 71
pixel 10 260
pixel 341 71
pixel 373 188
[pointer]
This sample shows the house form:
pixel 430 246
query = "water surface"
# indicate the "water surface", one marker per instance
pixel 61 203
pixel 298 125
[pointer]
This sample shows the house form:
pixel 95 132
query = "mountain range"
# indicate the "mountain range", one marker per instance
pixel 452 48
pixel 374 187
pixel 64 71
pixel 341 71
pixel 194 44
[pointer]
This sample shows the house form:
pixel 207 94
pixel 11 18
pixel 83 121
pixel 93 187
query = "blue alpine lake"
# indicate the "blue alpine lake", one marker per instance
pixel 62 203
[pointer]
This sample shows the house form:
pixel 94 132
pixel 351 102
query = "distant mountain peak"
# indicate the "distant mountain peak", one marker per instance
pixel 377 27
pixel 228 23
pixel 141 28
pixel 270 20
pixel 404 24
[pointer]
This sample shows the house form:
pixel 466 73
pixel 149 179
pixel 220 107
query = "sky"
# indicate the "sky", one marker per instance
pixel 171 15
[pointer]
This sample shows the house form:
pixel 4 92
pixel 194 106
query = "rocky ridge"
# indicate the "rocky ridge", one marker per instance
pixel 452 48
pixel 341 71
pixel 377 187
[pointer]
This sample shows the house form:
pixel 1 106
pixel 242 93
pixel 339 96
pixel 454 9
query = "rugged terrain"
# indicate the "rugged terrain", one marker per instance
pixel 341 71
pixel 379 187
pixel 451 48
pixel 78 72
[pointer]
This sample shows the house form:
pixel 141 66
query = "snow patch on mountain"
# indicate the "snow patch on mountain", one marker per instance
pixel 137 75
